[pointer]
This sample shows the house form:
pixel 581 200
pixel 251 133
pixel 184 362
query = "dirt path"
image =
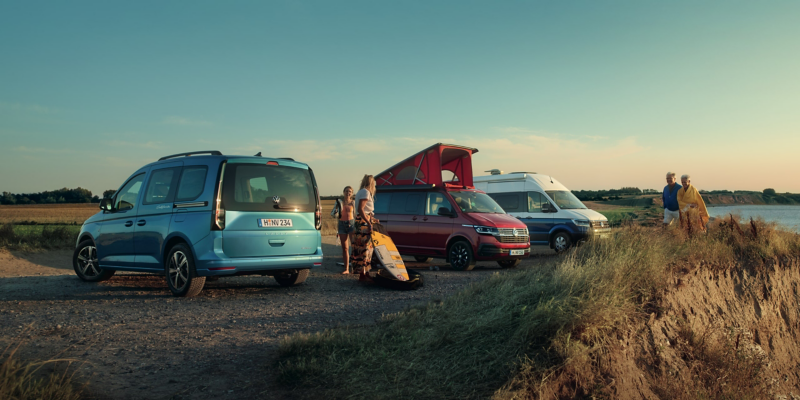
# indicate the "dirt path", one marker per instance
pixel 138 341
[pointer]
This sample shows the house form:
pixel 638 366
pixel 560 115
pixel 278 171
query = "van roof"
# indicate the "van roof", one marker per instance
pixel 215 154
pixel 546 182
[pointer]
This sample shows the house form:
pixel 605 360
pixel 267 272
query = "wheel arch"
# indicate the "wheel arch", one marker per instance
pixel 85 236
pixel 556 231
pixel 174 239
pixel 454 239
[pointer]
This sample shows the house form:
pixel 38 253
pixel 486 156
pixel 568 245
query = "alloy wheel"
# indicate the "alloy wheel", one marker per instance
pixel 459 255
pixel 178 270
pixel 561 243
pixel 87 261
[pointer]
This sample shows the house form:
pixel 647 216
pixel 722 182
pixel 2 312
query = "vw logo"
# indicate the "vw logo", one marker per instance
pixel 515 232
pixel 276 199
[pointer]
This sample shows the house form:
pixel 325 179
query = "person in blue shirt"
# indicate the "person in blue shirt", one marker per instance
pixel 670 199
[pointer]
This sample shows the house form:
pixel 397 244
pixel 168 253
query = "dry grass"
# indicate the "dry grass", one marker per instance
pixel 31 380
pixel 537 332
pixel 55 214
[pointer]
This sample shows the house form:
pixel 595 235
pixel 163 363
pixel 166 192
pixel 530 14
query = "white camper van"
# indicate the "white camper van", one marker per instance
pixel 553 214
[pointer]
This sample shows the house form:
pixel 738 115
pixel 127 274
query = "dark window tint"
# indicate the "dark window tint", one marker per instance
pixel 398 203
pixel 382 203
pixel 511 202
pixel 255 187
pixel 192 182
pixel 126 197
pixel 435 202
pixel 158 188
pixel 414 203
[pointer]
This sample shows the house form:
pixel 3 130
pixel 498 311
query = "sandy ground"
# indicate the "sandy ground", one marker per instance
pixel 134 340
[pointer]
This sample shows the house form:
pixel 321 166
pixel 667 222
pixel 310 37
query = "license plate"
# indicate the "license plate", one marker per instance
pixel 517 252
pixel 271 223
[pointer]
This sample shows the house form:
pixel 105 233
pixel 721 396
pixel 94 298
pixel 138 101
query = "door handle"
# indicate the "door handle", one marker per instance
pixel 141 222
pixel 414 218
pixel 425 218
pixel 128 223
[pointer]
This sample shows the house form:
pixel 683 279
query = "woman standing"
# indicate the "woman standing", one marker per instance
pixel 346 225
pixel 362 242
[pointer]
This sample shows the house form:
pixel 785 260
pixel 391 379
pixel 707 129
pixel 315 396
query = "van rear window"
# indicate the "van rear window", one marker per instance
pixel 256 187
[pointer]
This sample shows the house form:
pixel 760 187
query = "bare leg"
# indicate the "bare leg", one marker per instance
pixel 345 253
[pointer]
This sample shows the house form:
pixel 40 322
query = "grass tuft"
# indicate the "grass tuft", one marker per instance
pixel 28 381
pixel 516 333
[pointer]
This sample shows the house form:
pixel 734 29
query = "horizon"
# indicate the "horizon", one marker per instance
pixel 592 93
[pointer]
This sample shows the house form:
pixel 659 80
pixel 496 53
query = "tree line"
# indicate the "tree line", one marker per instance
pixel 59 196
pixel 610 194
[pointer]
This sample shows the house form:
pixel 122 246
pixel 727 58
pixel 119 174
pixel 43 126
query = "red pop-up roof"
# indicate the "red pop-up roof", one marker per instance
pixel 440 164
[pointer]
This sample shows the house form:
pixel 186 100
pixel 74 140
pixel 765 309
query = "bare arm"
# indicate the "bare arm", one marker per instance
pixel 361 204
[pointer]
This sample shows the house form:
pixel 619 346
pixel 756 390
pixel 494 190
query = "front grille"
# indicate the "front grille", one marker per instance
pixel 600 224
pixel 506 235
pixel 514 239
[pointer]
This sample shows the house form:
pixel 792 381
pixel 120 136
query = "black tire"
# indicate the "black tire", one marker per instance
pixel 180 272
pixel 84 261
pixel 292 278
pixel 460 256
pixel 422 259
pixel 561 242
pixel 509 263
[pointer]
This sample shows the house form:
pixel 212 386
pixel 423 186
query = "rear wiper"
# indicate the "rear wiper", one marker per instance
pixel 284 207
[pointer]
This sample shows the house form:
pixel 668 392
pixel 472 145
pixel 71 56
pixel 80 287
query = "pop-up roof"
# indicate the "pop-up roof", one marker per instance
pixel 440 164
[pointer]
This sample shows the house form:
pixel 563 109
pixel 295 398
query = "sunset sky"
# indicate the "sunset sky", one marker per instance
pixel 599 94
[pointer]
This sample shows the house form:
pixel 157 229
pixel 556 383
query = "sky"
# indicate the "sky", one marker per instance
pixel 598 94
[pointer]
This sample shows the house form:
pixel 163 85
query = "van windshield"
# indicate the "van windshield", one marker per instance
pixel 476 202
pixel 565 200
pixel 255 187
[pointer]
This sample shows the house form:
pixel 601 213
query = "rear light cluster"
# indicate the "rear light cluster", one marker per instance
pixel 318 217
pixel 218 213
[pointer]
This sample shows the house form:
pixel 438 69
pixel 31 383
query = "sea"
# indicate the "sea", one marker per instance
pixel 786 216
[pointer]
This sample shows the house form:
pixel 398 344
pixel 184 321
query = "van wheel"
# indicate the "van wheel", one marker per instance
pixel 561 242
pixel 292 278
pixel 181 275
pixel 460 256
pixel 84 261
pixel 509 263
pixel 422 259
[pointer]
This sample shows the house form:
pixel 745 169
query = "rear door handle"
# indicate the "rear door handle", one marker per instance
pixel 414 218
pixel 141 222
pixel 128 223
pixel 425 218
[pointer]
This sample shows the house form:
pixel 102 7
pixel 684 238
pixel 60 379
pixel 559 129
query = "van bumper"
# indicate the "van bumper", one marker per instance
pixel 492 252
pixel 214 263
pixel 584 234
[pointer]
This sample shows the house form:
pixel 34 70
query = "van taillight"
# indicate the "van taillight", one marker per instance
pixel 218 218
pixel 317 219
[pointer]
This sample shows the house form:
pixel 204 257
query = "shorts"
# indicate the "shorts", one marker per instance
pixel 346 227
pixel 670 216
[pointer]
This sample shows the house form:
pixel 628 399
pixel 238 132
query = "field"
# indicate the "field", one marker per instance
pixel 47 214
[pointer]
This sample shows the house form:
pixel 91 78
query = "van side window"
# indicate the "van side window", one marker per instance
pixel 435 202
pixel 193 180
pixel 161 187
pixel 511 202
pixel 535 201
pixel 414 203
pixel 382 203
pixel 126 197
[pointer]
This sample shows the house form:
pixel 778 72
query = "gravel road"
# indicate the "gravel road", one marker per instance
pixel 134 340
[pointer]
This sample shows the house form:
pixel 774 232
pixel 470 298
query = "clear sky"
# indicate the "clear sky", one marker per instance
pixel 600 94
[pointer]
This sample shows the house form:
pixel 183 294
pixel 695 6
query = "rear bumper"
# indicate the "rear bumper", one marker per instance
pixel 214 262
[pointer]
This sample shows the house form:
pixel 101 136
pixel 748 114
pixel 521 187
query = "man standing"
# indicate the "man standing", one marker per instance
pixel 691 203
pixel 670 200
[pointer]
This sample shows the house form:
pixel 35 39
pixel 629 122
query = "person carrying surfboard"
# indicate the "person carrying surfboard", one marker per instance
pixel 362 240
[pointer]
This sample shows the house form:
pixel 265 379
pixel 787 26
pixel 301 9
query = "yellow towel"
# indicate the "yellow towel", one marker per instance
pixel 689 195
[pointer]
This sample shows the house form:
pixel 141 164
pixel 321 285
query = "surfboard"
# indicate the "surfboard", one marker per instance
pixel 388 256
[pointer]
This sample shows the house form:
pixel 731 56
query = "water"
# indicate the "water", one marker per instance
pixel 786 216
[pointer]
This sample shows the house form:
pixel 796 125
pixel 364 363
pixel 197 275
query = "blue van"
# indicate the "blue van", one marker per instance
pixel 200 214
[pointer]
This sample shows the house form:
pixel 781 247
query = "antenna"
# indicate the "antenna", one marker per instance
pixel 495 171
pixel 258 155
pixel 551 178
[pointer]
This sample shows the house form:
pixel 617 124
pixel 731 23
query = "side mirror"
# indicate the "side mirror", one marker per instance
pixel 105 204
pixel 546 208
pixel 445 212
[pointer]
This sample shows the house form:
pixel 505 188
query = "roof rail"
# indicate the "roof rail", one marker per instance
pixel 191 153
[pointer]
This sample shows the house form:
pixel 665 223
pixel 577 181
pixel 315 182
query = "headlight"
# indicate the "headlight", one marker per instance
pixel 582 222
pixel 487 230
